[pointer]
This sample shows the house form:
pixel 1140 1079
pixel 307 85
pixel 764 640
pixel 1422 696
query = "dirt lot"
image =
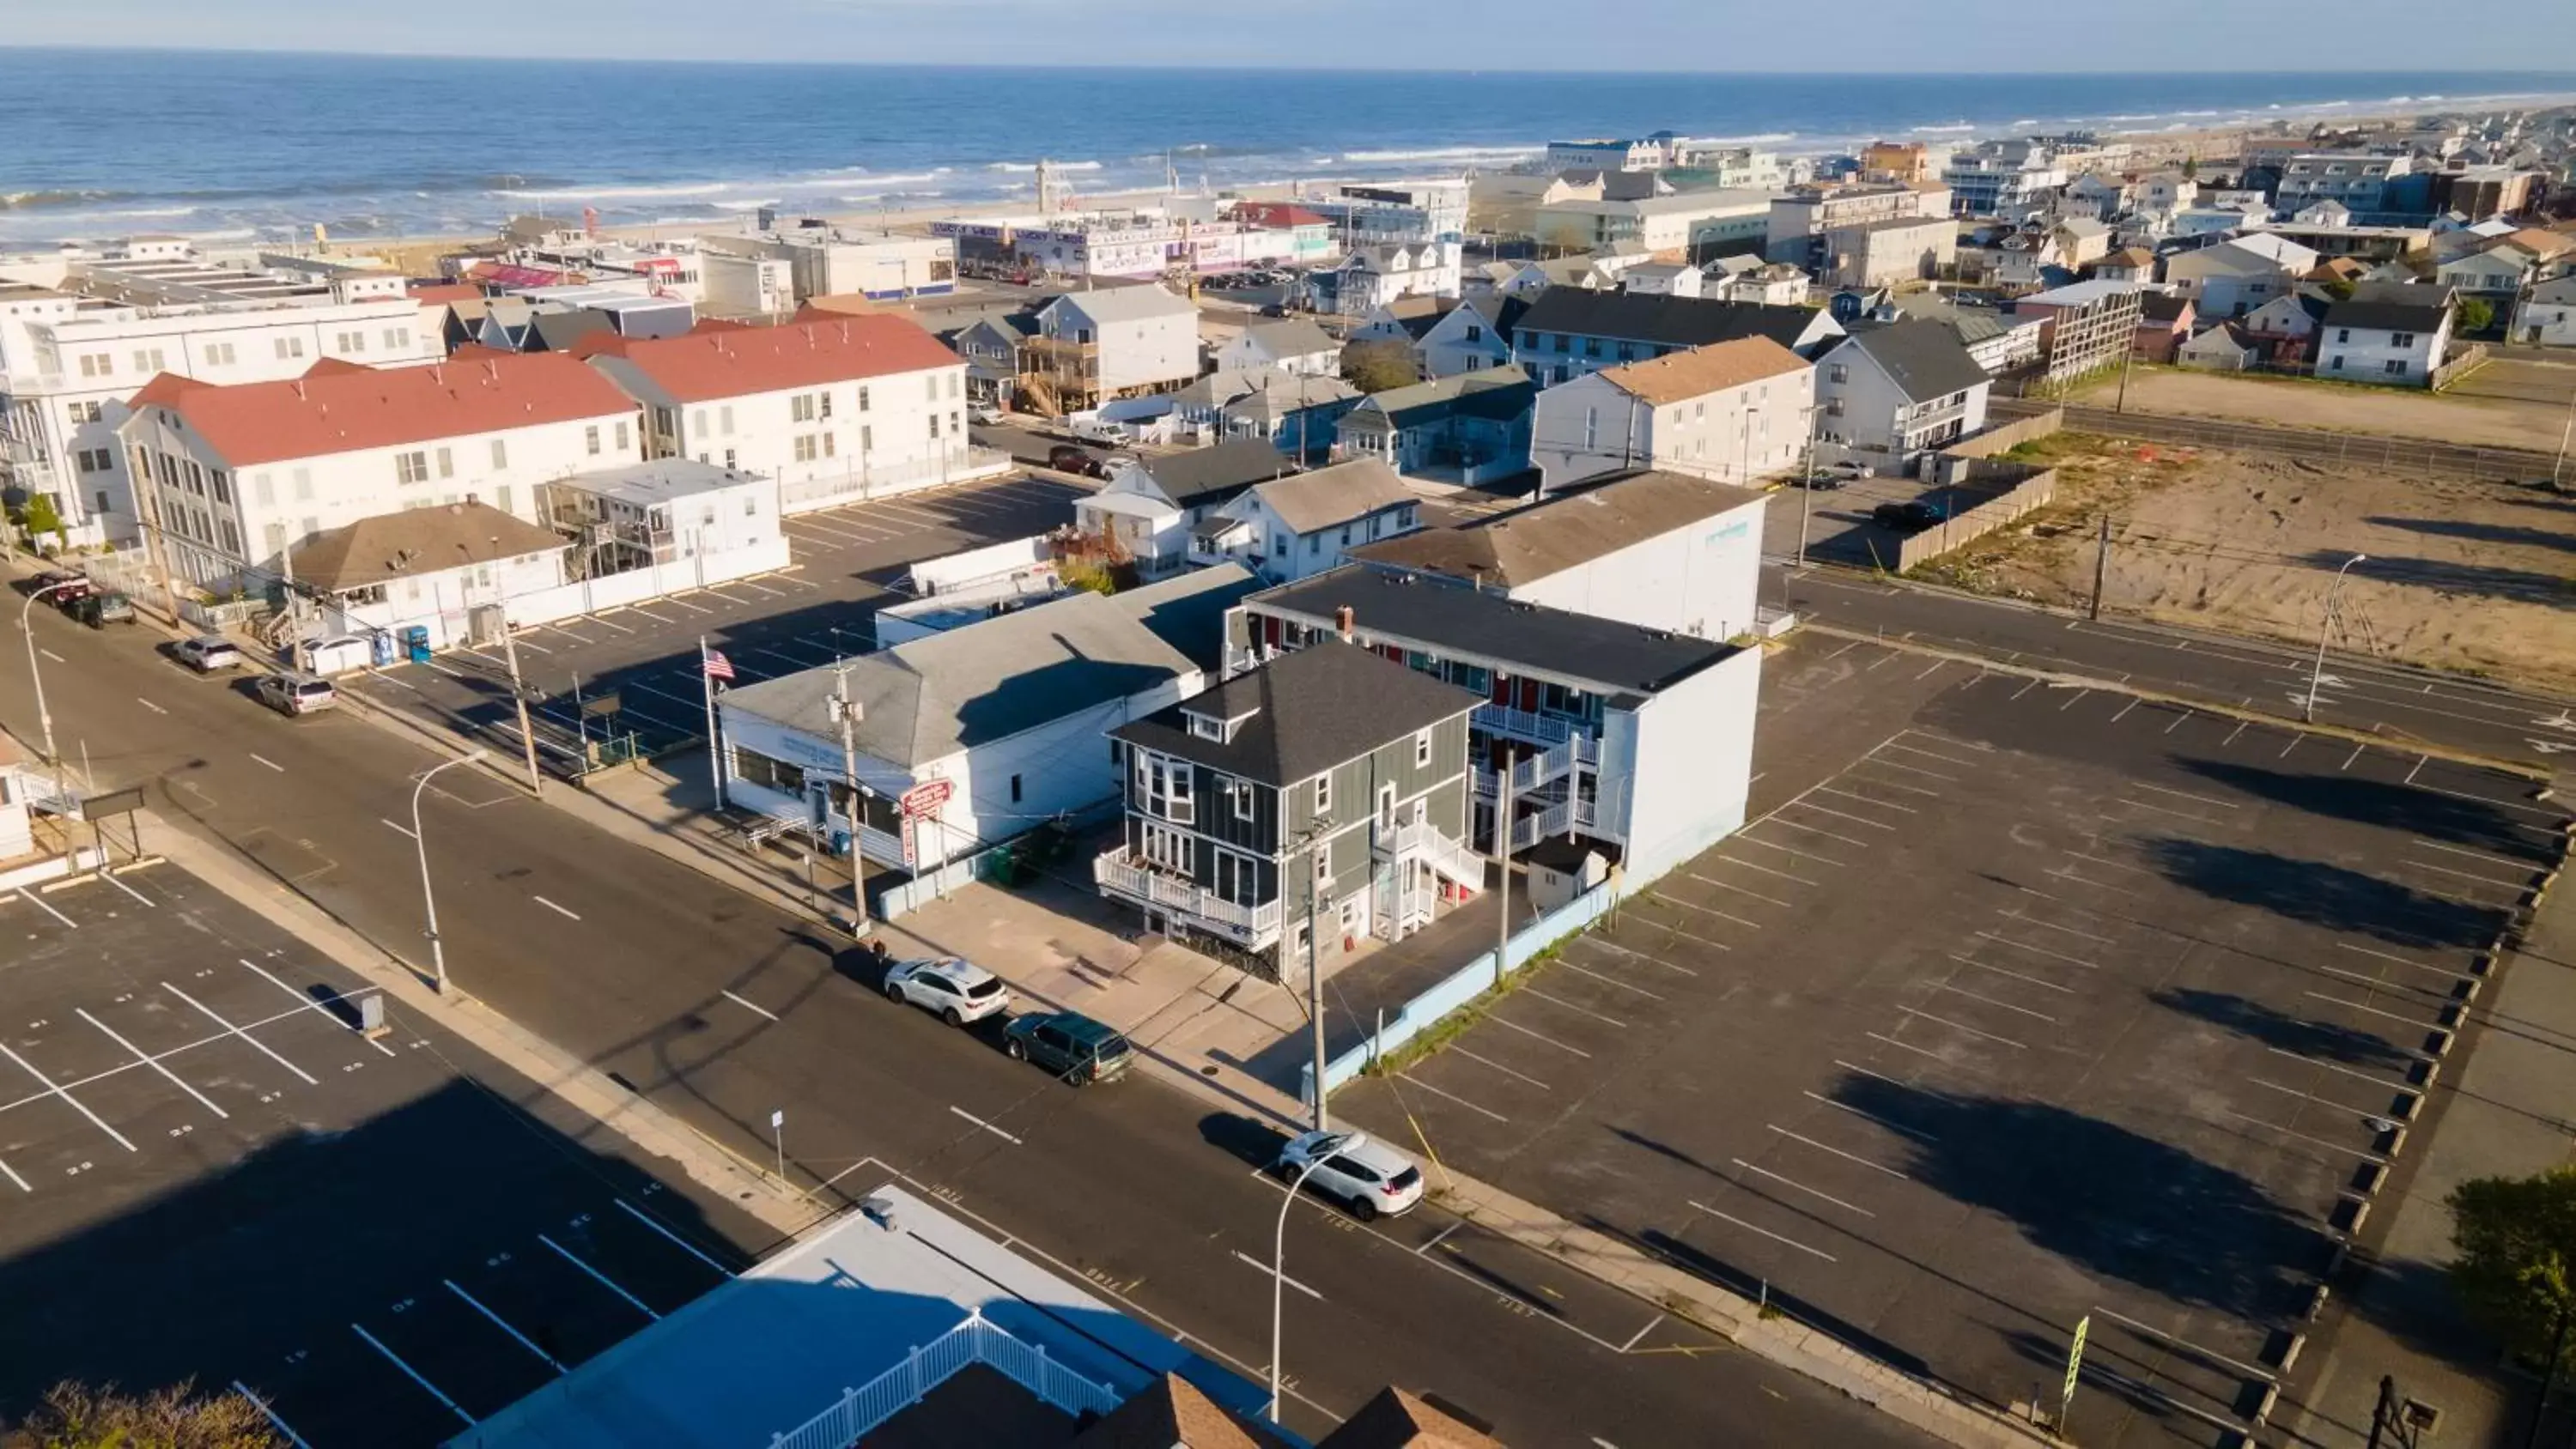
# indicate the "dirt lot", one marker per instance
pixel 2501 405
pixel 2460 574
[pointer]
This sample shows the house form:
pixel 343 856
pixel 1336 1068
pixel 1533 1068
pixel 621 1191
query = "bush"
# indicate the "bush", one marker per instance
pixel 2516 1239
pixel 1379 366
pixel 76 1416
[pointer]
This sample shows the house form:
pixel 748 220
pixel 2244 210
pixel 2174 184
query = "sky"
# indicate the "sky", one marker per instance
pixel 1689 35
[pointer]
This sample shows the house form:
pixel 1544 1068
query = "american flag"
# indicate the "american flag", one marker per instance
pixel 719 667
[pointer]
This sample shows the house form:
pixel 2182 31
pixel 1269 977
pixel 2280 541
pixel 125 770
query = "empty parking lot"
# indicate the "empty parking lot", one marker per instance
pixel 2022 1004
pixel 382 1239
pixel 848 563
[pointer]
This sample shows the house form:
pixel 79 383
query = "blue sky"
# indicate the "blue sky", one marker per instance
pixel 1698 35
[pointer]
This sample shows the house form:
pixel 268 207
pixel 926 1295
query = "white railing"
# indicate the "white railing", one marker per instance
pixel 862 1409
pixel 1533 771
pixel 1545 729
pixel 861 484
pixel 1117 872
pixel 1418 839
pixel 1556 819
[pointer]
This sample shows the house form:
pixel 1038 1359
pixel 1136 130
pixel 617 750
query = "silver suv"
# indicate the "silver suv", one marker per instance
pixel 957 992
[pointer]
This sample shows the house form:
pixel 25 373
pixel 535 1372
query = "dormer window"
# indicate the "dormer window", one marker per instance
pixel 1207 727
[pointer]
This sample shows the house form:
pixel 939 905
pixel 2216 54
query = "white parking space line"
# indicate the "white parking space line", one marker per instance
pixel 402 830
pixel 987 1126
pixel 558 910
pixel 274 1422
pixel 1672 930
pixel 1844 814
pixel 1838 1152
pixel 2312 1141
pixel 677 1241
pixel 332 998
pixel 1787 850
pixel 503 1324
pixel 1731 886
pixel 1809 829
pixel 412 1373
pixel 49 654
pixel 2187 795
pixel 2017 915
pixel 2169 810
pixel 1265 1271
pixel 147 704
pixel 1705 910
pixel 1872 1118
pixel 272 764
pixel 1558 1000
pixel 1802 1187
pixel 1501 1020
pixel 109 876
pixel 656 618
pixel 12 1174
pixel 1873 759
pixel 1616 949
pixel 1766 1232
pixel 1411 1080
pixel 2479 856
pixel 2402 961
pixel 761 589
pixel 1970 1030
pixel 679 603
pixel 1958 990
pixel 2345 1107
pixel 605 622
pixel 1877 784
pixel 524 642
pixel 750 1006
pixel 2355 1072
pixel 2017 976
pixel 2001 940
pixel 231 1030
pixel 598 1277
pixel 1906 1046
pixel 150 1061
pixel 54 1091
pixel 1762 869
pixel 39 904
pixel 1498 1066
pixel 567 629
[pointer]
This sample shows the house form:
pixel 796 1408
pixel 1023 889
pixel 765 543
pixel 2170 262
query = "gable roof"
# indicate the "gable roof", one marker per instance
pixel 1327 497
pixel 1541 539
pixel 1216 473
pixel 1290 337
pixel 2126 257
pixel 1125 304
pixel 345 410
pixel 411 542
pixel 1924 359
pixel 705 363
pixel 1394 1419
pixel 1660 318
pixel 2162 307
pixel 1704 370
pixel 1497 393
pixel 1171 1413
pixel 928 698
pixel 1308 711
pixel 2385 313
pixel 1415 314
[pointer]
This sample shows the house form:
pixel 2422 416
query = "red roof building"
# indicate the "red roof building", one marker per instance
pixel 345 409
pixel 709 363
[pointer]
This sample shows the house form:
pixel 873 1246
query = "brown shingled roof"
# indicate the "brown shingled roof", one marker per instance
pixel 1173 1414
pixel 416 541
pixel 1395 1419
pixel 1531 543
pixel 1704 370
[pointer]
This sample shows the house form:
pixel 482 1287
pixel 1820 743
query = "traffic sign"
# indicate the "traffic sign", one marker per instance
pixel 2074 1365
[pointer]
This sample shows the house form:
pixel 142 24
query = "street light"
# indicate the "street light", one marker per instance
pixel 428 903
pixel 1279 1270
pixel 27 626
pixel 2308 714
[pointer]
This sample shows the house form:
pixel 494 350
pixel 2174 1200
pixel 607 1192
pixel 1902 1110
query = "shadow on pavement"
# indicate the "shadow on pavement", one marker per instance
pixel 2376 802
pixel 2321 894
pixel 2320 1040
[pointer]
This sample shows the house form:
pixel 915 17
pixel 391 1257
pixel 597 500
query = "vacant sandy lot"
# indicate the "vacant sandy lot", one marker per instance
pixel 2529 415
pixel 2461 574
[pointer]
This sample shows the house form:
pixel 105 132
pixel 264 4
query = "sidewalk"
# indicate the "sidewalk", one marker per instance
pixel 2506 1114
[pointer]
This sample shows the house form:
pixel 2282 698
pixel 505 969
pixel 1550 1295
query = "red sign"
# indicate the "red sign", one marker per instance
pixel 926 799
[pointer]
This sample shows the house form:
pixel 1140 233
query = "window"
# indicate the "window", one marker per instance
pixel 303 485
pixel 2343 334
pixel 863 399
pixel 446 463
pixel 353 342
pixel 2396 367
pixel 2337 364
pixel 1238 879
pixel 623 437
pixel 724 420
pixel 87 412
pixel 867 437
pixel 1241 791
pixel 2401 339
pixel 289 347
pixel 1475 333
pixel 276 535
pixel 97 364
pixel 800 408
pixel 397 338
pixel 500 454
pixel 803 447
pixel 1323 869
pixel 952 385
pixel 934 426
pixel 700 426
pixel 1591 429
pixel 830 446
pixel 1838 373
pixel 147 359
pixel 1323 793
pixel 219 354
pixel 501 498
pixel 96 460
pixel 1171 849
pixel 410 468
pixel 1015 789
pixel 823 404
pixel 223 486
pixel 590 440
pixel 1421 748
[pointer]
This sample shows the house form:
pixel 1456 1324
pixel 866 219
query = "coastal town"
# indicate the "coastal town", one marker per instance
pixel 1678 792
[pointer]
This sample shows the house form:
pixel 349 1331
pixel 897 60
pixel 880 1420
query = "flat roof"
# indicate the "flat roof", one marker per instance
pixel 658 481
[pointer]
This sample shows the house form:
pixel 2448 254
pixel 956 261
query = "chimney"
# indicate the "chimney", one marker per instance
pixel 1345 619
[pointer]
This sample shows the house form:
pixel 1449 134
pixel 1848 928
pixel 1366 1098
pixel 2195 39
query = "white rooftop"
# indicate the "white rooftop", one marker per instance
pixel 659 481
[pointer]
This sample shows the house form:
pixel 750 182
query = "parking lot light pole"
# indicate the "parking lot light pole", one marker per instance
pixel 1279 1269
pixel 2325 626
pixel 27 626
pixel 428 902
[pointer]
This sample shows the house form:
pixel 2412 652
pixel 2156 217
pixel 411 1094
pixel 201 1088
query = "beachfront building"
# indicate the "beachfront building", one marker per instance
pixel 1794 229
pixel 1697 225
pixel 2359 180
pixel 1730 411
pixel 1111 342
pixel 1127 245
pixel 74 351
pixel 830 407
pixel 1378 275
pixel 1394 213
pixel 2002 178
pixel 1606 153
pixel 228 476
pixel 827 261
pixel 1889 250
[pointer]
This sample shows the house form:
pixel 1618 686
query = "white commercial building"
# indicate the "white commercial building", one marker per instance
pixel 829 262
pixel 1729 411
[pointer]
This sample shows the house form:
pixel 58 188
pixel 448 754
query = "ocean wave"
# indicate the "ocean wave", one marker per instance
pixel 615 193
pixel 1443 153
pixel 1017 168
pixel 40 200
pixel 1953 128
pixel 1763 138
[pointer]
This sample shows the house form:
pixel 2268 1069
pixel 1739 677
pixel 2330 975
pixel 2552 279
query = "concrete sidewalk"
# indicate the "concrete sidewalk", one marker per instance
pixel 2505 1113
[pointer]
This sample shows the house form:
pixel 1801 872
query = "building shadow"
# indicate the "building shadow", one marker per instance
pixel 2390 806
pixel 2317 1040
pixel 2527 586
pixel 2319 893
pixel 2502 533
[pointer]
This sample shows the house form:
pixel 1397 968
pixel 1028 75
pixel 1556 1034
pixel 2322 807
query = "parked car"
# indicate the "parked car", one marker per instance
pixel 1069 1044
pixel 207 653
pixel 1106 435
pixel 955 991
pixel 67 584
pixel 99 608
pixel 1911 517
pixel 1371 1178
pixel 987 414
pixel 1066 458
pixel 294 694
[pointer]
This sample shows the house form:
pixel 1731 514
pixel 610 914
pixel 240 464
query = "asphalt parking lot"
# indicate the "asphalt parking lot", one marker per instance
pixel 847 564
pixel 2017 1005
pixel 382 1240
pixel 1837 520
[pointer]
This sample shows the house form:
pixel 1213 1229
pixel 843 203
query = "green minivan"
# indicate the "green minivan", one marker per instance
pixel 1069 1044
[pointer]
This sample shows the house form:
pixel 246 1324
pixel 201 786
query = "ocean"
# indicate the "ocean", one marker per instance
pixel 233 146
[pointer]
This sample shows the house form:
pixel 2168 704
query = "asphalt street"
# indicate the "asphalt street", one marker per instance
pixel 723 1010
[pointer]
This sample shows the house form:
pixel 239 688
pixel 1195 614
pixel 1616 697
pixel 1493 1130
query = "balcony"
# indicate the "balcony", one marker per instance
pixel 26 466
pixel 974 1341
pixel 1149 887
pixel 1522 724
pixel 1575 751
pixel 1417 840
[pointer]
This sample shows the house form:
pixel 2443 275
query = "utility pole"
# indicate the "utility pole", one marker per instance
pixel 1503 858
pixel 519 696
pixel 2101 567
pixel 2558 465
pixel 294 607
pixel 849 712
pixel 2121 404
pixel 1320 849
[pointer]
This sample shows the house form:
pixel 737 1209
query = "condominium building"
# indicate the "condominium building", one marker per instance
pixel 1795 230
pixel 1729 411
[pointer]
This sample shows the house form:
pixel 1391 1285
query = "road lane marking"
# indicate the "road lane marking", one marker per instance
pixel 598 1277
pixel 1632 1343
pixel 272 764
pixel 987 1126
pixel 150 1061
pixel 412 1373
pixel 232 1030
pixel 558 910
pixel 14 1177
pixel 750 1006
pixel 147 704
pixel 1265 1270
pixel 503 1324
pixel 1440 1237
pixel 1766 1232
pixel 52 1090
pixel 402 830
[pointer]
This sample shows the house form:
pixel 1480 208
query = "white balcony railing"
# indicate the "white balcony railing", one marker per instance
pixel 1521 724
pixel 1121 874
pixel 1418 840
pixel 863 1409
pixel 1546 767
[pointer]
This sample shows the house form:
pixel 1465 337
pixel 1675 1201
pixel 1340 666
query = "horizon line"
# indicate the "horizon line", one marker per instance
pixel 79 47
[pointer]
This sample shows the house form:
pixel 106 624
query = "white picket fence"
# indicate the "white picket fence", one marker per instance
pixel 859 486
pixel 862 1409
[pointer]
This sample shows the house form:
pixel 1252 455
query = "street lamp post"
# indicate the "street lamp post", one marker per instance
pixel 1279 1273
pixel 428 902
pixel 2316 671
pixel 27 626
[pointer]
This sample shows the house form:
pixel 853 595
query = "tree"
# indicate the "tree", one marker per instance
pixel 76 1416
pixel 41 517
pixel 2191 168
pixel 2474 314
pixel 2516 1266
pixel 1378 366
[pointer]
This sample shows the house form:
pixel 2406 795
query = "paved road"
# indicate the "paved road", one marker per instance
pixel 2401 704
pixel 723 1010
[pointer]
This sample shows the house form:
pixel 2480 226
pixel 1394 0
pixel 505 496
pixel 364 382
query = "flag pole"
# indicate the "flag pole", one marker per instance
pixel 715 747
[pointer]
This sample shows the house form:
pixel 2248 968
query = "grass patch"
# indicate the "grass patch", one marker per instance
pixel 1457 1023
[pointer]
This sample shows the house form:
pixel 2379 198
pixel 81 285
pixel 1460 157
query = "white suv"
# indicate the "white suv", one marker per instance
pixel 1370 1178
pixel 958 991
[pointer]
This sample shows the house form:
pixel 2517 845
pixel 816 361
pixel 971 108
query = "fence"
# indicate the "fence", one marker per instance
pixel 2360 450
pixel 609 591
pixel 1950 465
pixel 856 486
pixel 1462 986
pixel 2035 488
pixel 974 1341
pixel 2463 362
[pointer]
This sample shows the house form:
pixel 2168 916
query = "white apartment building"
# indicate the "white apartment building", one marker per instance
pixel 2235 277
pixel 825 261
pixel 2396 335
pixel 2002 177
pixel 829 407
pixel 1897 390
pixel 1699 224
pixel 1604 153
pixel 69 362
pixel 2356 179
pixel 228 476
pixel 1729 411
pixel 1395 212
pixel 1795 228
